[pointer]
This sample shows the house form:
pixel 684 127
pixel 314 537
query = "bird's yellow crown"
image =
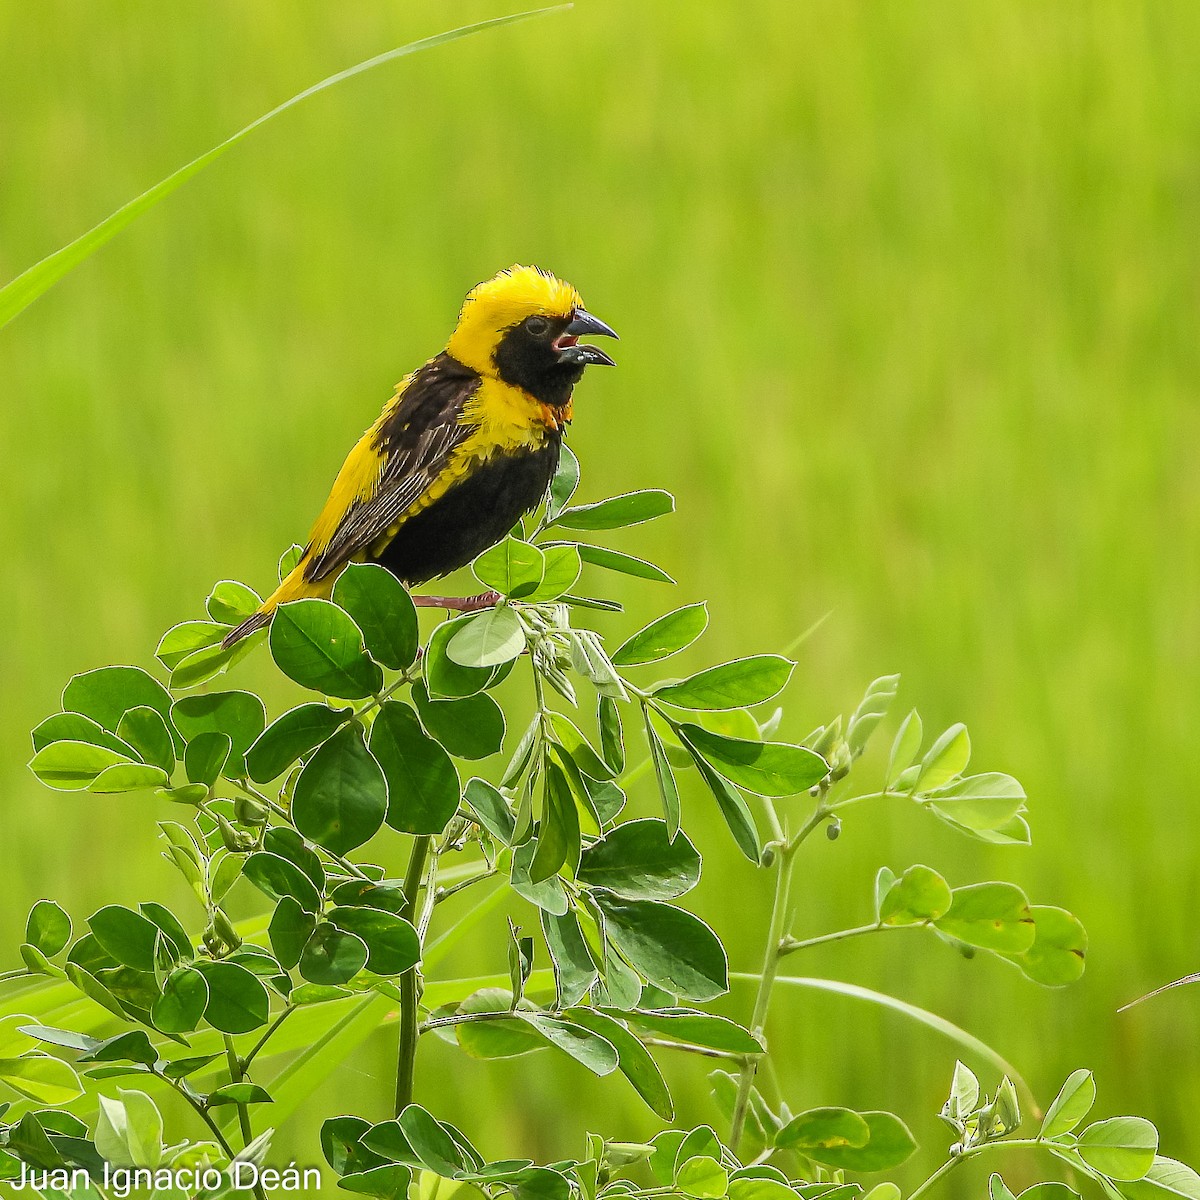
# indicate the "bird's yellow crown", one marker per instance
pixel 500 303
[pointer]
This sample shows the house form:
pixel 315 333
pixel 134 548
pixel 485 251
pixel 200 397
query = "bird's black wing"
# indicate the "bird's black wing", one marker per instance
pixel 415 443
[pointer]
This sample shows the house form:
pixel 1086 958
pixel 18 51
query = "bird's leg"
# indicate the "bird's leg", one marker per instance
pixel 464 604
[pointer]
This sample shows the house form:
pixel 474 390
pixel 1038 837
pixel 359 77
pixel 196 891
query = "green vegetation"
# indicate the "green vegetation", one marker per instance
pixel 906 294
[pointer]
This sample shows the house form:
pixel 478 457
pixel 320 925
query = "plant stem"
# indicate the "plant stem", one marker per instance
pixel 237 1072
pixel 690 1048
pixel 944 1169
pixel 409 985
pixel 463 604
pixel 859 799
pixel 262 1041
pixel 762 998
pixel 200 1110
pixel 785 856
pixel 971 1152
pixel 445 893
pixel 790 944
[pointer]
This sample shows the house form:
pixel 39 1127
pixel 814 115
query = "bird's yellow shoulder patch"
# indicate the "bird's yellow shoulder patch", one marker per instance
pixel 506 419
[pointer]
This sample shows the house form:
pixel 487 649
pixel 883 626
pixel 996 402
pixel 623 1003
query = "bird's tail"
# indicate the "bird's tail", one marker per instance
pixel 294 587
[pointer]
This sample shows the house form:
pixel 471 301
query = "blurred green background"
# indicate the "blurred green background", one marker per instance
pixel 908 293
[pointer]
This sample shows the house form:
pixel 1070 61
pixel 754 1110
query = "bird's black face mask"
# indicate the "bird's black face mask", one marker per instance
pixel 543 356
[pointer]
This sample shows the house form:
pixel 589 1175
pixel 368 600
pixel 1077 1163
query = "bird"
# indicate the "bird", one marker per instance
pixel 465 447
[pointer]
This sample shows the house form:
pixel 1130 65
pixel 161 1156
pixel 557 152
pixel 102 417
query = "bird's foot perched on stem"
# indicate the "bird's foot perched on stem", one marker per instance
pixel 464 604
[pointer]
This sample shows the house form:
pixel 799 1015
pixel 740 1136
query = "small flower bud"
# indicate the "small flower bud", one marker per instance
pixel 834 829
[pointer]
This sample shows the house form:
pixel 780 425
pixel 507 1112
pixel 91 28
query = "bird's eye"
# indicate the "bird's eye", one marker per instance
pixel 538 326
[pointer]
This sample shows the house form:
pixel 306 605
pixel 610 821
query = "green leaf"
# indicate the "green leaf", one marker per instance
pixel 764 768
pixel 998 1189
pixel 668 789
pixel 495 1038
pixel 237 1000
pixel 145 730
pixel 1120 1148
pixel 382 609
pixel 624 564
pixel 276 876
pixel 291 927
pixel 1167 1179
pixel 48 928
pixel 341 795
pixel 41 1078
pixel 1057 956
pixel 316 644
pixel 588 1049
pixel 512 567
pixel 637 860
pixel 181 1006
pixel 291 736
pixel 1073 1102
pixel 488 639
pixel 734 809
pixel 558 839
pixel 888 1144
pixel 22 291
pixel 993 916
pixel 561 571
pixel 423 788
pixel 702 1177
pixel 564 483
pixel 108 693
pixel 663 637
pixel 987 801
pixel 491 808
pixel 964 1094
pixel 231 602
pixel 210 662
pixel 128 777
pixel 72 766
pixel 904 748
pixel 821 1129
pixel 873 708
pixel 392 943
pixel 389 1181
pixel 695 1028
pixel 446 679
pixel 182 641
pixel 612 739
pixel 75 727
pixel 430 1141
pixel 945 759
pixel 239 715
pixel 332 956
pixel 125 935
pixel 617 512
pixel 581 751
pixel 745 681
pixel 672 949
pixel 548 894
pixel 472 727
pixel 920 894
pixel 574 970
pixel 239 1093
pixel 206 756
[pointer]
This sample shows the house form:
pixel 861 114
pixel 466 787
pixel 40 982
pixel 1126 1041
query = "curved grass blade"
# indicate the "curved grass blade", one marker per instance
pixel 21 292
pixel 922 1016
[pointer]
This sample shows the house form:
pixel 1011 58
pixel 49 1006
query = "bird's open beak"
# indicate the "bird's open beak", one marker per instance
pixel 583 324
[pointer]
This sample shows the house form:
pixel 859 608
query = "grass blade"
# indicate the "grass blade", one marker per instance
pixel 967 1041
pixel 22 291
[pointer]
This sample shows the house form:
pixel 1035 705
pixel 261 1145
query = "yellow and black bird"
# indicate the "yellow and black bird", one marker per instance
pixel 465 447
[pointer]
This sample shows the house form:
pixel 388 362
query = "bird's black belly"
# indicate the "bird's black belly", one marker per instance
pixel 471 516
